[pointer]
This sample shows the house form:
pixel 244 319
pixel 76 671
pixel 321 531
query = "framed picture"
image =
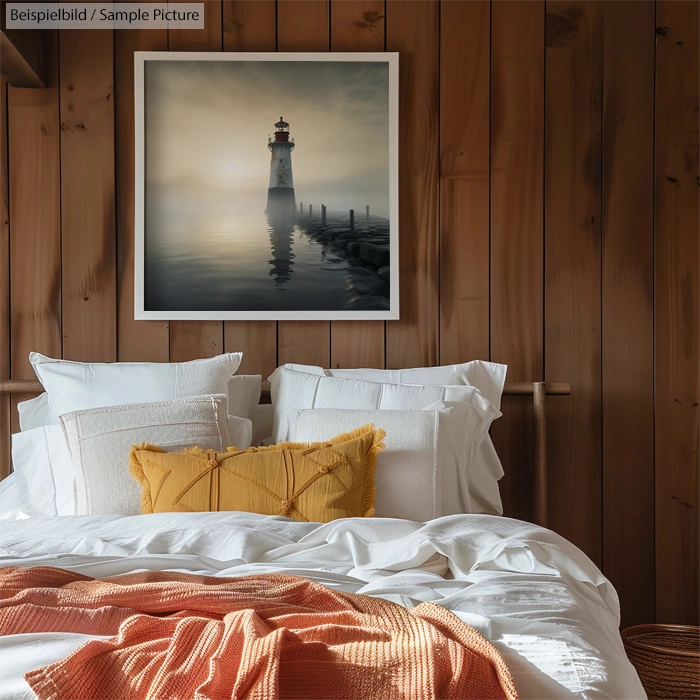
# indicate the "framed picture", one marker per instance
pixel 266 186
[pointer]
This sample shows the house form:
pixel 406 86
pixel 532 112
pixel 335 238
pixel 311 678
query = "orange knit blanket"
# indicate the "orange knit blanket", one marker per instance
pixel 269 636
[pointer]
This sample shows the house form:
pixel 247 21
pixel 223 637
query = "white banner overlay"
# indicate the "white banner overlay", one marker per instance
pixel 104 15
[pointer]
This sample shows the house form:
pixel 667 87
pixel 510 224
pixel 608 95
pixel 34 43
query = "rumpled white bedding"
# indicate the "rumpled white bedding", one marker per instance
pixel 544 604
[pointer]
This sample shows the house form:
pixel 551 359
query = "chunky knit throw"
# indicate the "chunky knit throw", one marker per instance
pixel 184 636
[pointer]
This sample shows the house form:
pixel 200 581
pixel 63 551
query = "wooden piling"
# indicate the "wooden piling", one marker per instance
pixel 311 210
pixel 301 208
pixel 352 219
pixel 323 214
pixel 367 213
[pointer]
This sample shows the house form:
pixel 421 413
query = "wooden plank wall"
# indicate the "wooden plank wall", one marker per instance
pixel 549 220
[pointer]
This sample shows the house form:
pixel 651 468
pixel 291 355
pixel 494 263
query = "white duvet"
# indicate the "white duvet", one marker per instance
pixel 543 603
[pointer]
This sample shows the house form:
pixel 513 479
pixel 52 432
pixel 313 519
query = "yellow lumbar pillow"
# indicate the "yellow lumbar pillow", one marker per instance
pixel 316 482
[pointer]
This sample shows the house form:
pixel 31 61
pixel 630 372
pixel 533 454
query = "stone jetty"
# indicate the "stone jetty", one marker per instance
pixel 366 250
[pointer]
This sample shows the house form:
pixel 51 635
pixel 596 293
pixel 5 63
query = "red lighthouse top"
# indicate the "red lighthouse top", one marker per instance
pixel 281 131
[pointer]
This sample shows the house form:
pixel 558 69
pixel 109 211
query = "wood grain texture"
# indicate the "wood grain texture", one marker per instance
pixel 303 25
pixel 413 29
pixel 628 298
pixel 465 71
pixel 22 56
pixel 357 25
pixel 88 257
pixel 138 341
pixel 573 142
pixel 35 239
pixel 251 26
pixel 35 233
pixel 190 340
pixel 677 319
pixel 5 406
pixel 517 126
pixel 208 39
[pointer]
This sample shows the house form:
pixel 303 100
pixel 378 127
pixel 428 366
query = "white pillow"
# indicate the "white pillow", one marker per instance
pixel 44 470
pixel 418 464
pixel 33 413
pixel 9 500
pixel 75 386
pixel 298 390
pixel 244 395
pixel 99 440
pixel 301 390
pixel 488 377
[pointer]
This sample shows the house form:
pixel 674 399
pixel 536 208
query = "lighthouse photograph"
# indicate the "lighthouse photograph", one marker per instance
pixel 267 186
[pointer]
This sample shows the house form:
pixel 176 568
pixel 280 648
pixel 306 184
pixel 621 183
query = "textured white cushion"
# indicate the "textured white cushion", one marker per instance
pixel 488 377
pixel 243 398
pixel 76 386
pixel 410 470
pixel 99 440
pixel 44 470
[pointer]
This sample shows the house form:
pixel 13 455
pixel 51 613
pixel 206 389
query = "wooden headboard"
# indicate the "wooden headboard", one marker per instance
pixel 538 391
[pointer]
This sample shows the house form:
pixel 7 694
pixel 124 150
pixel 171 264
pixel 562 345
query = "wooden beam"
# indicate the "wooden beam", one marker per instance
pixel 22 57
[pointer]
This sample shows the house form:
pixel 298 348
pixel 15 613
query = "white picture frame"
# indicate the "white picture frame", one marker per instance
pixel 141 308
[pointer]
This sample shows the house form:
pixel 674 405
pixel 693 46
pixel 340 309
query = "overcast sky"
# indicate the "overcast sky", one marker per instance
pixel 207 125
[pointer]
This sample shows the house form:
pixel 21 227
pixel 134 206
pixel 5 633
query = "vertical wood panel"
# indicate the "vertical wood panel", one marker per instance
pixel 677 313
pixel 517 125
pixel 465 71
pixel 138 341
pixel 5 409
pixel 357 25
pixel 627 278
pixel 35 234
pixel 573 267
pixel 573 114
pixel 251 26
pixel 413 29
pixel 87 195
pixel 190 340
pixel 303 25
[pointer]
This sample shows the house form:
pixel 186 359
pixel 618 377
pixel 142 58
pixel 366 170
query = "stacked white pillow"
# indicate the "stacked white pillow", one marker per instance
pixel 99 440
pixel 477 383
pixel 421 456
pixel 40 455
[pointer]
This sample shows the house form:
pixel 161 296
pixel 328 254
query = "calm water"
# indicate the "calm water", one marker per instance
pixel 216 257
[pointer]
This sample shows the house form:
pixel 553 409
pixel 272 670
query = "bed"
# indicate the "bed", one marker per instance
pixel 545 606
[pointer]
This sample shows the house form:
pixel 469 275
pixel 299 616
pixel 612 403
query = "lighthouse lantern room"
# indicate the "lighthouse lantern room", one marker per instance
pixel 280 195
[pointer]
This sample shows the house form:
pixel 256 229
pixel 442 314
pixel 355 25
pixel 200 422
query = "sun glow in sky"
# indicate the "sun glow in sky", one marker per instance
pixel 207 125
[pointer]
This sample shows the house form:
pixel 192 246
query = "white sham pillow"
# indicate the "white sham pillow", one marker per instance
pixel 75 386
pixel 99 440
pixel 44 471
pixel 243 396
pixel 293 389
pixel 488 377
pixel 33 413
pixel 298 390
pixel 421 458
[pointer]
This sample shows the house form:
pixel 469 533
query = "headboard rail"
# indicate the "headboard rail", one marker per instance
pixel 538 391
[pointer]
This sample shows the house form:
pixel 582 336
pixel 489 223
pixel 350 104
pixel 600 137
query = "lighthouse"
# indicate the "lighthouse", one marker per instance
pixel 280 195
